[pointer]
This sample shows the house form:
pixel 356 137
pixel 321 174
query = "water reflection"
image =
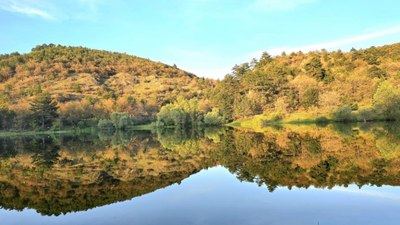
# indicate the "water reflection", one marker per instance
pixel 67 173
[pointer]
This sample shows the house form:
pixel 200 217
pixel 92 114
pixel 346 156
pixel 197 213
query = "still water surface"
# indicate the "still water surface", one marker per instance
pixel 291 175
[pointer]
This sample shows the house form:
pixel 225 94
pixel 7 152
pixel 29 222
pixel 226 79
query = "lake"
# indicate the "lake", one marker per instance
pixel 336 174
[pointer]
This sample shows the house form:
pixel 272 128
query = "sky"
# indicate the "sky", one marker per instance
pixel 206 37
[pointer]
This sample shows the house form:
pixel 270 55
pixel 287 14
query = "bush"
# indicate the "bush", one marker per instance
pixel 120 120
pixel 105 124
pixel 376 72
pixel 181 113
pixel 354 107
pixel 310 98
pixel 343 114
pixel 322 120
pixel 213 118
pixel 387 101
pixel 6 118
pixel 367 115
pixel 276 117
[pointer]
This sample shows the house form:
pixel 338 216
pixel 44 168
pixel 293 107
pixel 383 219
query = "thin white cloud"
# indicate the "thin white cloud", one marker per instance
pixel 26 7
pixel 370 193
pixel 336 44
pixel 280 5
pixel 213 65
pixel 53 10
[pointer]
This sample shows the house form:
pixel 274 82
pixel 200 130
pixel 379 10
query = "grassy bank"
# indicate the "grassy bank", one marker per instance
pixel 260 121
pixel 144 127
pixel 44 132
pixel 11 133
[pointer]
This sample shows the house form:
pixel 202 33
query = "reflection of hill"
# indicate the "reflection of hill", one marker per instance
pixel 87 174
pixel 64 174
pixel 321 157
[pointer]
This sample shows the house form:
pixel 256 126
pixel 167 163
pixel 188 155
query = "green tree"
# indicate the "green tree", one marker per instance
pixel 310 98
pixel 6 118
pixel 44 110
pixel 214 118
pixel 265 59
pixel 387 101
pixel 225 94
pixel 343 114
pixel 377 72
pixel 315 69
pixel 105 124
pixel 120 120
pixel 240 70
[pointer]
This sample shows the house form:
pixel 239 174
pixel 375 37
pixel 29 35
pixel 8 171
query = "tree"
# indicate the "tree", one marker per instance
pixel 6 118
pixel 310 98
pixel 182 113
pixel 343 114
pixel 315 69
pixel 44 110
pixel 265 59
pixel 225 94
pixel 387 101
pixel 240 70
pixel 120 120
pixel 214 118
pixel 377 72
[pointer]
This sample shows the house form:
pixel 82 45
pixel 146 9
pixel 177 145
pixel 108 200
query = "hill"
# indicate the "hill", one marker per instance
pixel 116 89
pixel 342 86
pixel 89 83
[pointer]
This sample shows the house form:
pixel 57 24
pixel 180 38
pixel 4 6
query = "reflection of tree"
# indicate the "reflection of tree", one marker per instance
pixel 7 149
pixel 46 152
pixel 305 159
pixel 320 172
pixel 86 171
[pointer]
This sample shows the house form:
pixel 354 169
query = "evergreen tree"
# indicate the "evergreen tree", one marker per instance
pixel 315 69
pixel 44 110
pixel 265 59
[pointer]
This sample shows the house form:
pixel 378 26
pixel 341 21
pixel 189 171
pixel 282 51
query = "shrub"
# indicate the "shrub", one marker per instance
pixel 387 101
pixel 213 118
pixel 6 118
pixel 354 107
pixel 105 124
pixel 343 114
pixel 367 115
pixel 310 98
pixel 276 117
pixel 181 113
pixel 120 120
pixel 376 72
pixel 322 120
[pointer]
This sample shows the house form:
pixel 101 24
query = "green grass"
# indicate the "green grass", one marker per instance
pixel 150 126
pixel 46 132
pixel 260 121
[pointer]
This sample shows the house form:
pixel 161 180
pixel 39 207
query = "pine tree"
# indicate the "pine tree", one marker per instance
pixel 315 69
pixel 44 110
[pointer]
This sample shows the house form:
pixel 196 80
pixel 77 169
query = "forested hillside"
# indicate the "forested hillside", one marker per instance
pixel 88 84
pixel 356 85
pixel 76 86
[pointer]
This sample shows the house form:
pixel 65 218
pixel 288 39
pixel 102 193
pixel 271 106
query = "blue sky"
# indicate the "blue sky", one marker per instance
pixel 206 37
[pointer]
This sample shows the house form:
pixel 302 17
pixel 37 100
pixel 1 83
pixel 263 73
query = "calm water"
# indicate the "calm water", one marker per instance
pixel 284 175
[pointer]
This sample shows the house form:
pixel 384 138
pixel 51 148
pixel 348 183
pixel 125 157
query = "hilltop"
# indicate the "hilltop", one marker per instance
pixel 91 83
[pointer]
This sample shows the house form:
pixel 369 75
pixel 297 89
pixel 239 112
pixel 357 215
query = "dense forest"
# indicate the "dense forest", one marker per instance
pixel 358 85
pixel 87 85
pixel 55 86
